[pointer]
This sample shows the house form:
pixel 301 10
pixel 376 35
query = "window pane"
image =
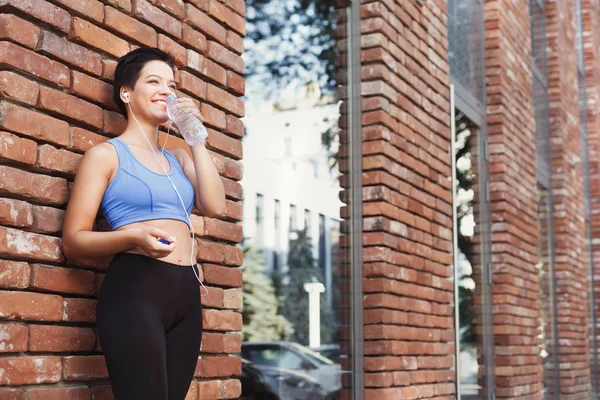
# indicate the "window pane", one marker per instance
pixel 296 315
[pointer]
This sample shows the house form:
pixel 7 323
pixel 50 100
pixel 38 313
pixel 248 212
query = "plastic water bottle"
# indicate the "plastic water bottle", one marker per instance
pixel 189 126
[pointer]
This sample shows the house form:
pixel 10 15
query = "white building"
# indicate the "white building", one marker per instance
pixel 288 183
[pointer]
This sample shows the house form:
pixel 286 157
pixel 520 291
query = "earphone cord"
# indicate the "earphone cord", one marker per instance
pixel 192 261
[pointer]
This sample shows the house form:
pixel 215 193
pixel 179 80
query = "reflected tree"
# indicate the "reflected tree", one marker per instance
pixel 260 315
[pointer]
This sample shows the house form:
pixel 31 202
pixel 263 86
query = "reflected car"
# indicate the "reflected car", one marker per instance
pixel 295 357
pixel 330 351
pixel 261 382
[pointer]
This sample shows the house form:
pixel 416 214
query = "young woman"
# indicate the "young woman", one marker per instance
pixel 149 313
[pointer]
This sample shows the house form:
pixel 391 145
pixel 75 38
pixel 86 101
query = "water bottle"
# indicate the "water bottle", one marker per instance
pixel 189 126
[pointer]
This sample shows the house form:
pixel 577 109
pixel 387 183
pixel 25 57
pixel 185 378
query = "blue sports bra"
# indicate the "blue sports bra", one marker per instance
pixel 137 194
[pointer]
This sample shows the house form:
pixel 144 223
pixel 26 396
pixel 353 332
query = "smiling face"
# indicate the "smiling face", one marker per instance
pixel 147 98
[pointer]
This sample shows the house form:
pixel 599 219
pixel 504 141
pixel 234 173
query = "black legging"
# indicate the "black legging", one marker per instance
pixel 149 321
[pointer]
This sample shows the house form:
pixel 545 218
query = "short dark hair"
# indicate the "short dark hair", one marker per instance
pixel 129 67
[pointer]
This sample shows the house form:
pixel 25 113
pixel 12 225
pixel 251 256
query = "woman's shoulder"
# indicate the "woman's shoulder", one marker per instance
pixel 180 154
pixel 103 156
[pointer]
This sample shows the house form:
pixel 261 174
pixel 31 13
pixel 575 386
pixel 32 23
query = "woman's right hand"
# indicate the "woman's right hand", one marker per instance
pixel 147 239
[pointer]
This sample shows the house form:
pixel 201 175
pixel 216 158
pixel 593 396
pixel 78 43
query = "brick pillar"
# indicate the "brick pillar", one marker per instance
pixel 567 183
pixel 56 64
pixel 409 350
pixel 591 28
pixel 513 204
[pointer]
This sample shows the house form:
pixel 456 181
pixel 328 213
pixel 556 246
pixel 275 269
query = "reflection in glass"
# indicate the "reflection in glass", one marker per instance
pixel 468 268
pixel 295 315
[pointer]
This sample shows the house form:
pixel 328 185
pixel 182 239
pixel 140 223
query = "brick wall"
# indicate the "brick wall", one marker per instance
pixel 409 350
pixel 56 63
pixel 567 182
pixel 591 24
pixel 513 204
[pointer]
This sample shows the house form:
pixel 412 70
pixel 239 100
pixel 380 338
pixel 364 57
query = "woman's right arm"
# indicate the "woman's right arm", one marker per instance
pixel 79 239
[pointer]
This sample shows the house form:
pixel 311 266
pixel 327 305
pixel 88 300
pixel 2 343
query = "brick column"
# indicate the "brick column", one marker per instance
pixel 567 185
pixel 407 201
pixel 56 64
pixel 591 28
pixel 513 204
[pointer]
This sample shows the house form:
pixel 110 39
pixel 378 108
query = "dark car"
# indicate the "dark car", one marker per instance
pixel 260 382
pixel 295 357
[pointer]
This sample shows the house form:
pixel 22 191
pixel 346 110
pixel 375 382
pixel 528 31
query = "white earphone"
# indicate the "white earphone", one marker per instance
pixel 192 260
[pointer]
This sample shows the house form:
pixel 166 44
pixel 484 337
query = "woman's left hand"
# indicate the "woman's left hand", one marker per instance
pixel 187 105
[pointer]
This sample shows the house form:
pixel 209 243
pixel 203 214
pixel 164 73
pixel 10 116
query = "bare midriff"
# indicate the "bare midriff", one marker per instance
pixel 181 255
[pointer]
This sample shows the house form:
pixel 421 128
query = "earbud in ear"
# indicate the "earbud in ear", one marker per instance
pixel 126 96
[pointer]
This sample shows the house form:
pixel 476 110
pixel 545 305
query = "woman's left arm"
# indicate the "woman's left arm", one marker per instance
pixel 201 171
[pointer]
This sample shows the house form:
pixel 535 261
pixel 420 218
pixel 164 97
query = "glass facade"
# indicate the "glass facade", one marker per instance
pixel 298 302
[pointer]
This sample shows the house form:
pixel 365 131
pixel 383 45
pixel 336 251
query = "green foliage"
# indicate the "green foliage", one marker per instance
pixel 260 315
pixel 291 40
pixel 303 269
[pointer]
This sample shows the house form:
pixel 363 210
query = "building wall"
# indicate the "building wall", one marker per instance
pixel 409 350
pixel 567 183
pixel 56 64
pixel 513 204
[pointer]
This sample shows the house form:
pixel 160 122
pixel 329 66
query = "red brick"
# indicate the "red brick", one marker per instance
pixel 70 53
pixel 239 6
pixel 129 27
pixel 47 219
pixel 192 85
pixel 16 213
pixel 222 276
pixel 220 320
pixel 235 126
pixel 235 42
pixel 70 393
pixel 221 366
pixel 19 30
pixel 84 367
pixel 90 9
pixel 62 280
pixel 80 310
pixel 174 7
pixel 83 31
pixel 60 160
pixel 14 242
pixel 234 210
pixel 19 88
pixel 171 47
pixel 114 123
pixel 108 69
pixel 205 24
pixel 33 124
pixel 124 5
pixel 233 299
pixel 30 306
pixel 236 83
pixel 14 274
pixel 17 149
pixel 82 139
pixel 43 12
pixel 46 338
pixel 227 17
pixel 225 100
pixel 13 338
pixel 156 17
pixel 213 116
pixel 206 67
pixel 193 38
pixel 92 89
pixel 222 230
pixel 11 394
pixel 71 107
pixel 232 147
pixel 25 370
pixel 34 64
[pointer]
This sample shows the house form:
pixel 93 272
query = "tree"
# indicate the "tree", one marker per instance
pixel 303 269
pixel 291 41
pixel 260 315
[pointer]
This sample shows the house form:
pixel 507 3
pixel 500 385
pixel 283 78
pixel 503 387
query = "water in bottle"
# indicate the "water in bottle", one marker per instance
pixel 189 126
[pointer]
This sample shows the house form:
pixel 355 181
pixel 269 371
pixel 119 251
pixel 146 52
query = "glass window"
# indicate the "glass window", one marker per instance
pixel 300 306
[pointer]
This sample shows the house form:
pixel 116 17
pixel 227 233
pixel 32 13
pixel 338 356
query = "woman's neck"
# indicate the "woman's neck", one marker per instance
pixel 135 133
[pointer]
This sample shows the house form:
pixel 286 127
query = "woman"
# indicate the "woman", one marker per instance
pixel 149 313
